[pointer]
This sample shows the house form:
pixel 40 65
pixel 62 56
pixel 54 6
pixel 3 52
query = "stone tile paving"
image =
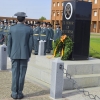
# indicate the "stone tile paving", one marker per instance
pixel 31 91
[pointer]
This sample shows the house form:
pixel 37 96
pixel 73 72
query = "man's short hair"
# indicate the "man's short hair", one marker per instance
pixel 20 19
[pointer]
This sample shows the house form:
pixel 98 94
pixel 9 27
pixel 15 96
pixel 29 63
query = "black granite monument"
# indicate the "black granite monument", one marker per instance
pixel 76 24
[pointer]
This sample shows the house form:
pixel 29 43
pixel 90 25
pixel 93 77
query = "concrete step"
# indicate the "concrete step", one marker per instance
pixel 43 76
pixel 91 80
pixel 91 66
pixel 39 73
pixel 44 61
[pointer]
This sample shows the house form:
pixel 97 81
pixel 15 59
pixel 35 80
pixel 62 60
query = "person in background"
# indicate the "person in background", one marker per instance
pixel 1 32
pixel 49 38
pixel 6 31
pixel 19 48
pixel 36 34
pixel 58 32
pixel 60 29
pixel 41 25
pixel 30 24
pixel 34 27
pixel 9 24
pixel 44 35
pixel 26 23
pixel 52 36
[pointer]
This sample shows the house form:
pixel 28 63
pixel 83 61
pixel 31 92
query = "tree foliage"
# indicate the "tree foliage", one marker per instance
pixel 42 18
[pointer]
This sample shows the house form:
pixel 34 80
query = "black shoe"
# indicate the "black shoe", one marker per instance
pixel 13 97
pixel 20 96
pixel 35 53
pixel 48 52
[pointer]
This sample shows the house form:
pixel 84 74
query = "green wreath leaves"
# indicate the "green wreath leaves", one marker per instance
pixel 65 47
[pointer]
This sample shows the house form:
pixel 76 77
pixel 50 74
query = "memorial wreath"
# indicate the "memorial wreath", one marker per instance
pixel 63 47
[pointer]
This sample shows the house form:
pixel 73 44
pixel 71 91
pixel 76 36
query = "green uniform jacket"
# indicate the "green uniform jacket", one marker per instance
pixel 20 41
pixel 44 35
pixel 36 33
pixel 5 33
pixel 6 30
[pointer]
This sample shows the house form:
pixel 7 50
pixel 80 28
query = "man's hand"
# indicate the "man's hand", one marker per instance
pixel 9 59
pixel 51 39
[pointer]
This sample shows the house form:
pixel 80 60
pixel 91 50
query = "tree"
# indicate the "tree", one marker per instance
pixel 42 18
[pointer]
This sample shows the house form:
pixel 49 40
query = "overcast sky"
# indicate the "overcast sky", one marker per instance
pixel 34 8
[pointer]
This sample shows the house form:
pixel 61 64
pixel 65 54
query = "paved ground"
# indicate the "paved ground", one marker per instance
pixel 33 91
pixel 36 92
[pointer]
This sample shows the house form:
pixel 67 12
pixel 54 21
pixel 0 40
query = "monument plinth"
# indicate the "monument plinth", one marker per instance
pixel 76 24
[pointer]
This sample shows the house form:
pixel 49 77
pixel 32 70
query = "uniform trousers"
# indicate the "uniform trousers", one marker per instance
pixel 48 47
pixel 19 68
pixel 51 45
pixel 36 46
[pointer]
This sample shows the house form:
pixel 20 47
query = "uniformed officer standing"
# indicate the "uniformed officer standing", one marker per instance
pixel 52 36
pixel 1 32
pixel 41 25
pixel 5 31
pixel 36 37
pixel 44 36
pixel 58 32
pixel 25 22
pixel 34 27
pixel 20 39
pixel 9 24
pixel 49 38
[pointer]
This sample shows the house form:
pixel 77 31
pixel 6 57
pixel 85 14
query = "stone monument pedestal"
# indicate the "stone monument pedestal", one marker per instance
pixel 85 72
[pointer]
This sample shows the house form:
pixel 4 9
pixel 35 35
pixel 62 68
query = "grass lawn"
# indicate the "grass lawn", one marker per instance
pixel 95 45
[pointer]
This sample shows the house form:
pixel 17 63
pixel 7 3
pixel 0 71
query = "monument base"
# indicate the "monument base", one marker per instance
pixel 86 73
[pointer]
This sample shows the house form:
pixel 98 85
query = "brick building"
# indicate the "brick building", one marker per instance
pixel 57 12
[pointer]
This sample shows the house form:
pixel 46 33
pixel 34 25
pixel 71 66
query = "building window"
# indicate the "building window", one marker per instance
pixel 95 1
pixel 95 13
pixel 58 4
pixel 54 4
pixel 57 13
pixel 53 13
pixel 62 3
pixel 94 25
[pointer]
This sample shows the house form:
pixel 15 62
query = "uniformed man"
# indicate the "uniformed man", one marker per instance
pixel 49 38
pixel 30 25
pixel 25 22
pixel 20 39
pixel 52 36
pixel 34 27
pixel 5 31
pixel 9 24
pixel 41 25
pixel 44 35
pixel 1 32
pixel 58 32
pixel 36 37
